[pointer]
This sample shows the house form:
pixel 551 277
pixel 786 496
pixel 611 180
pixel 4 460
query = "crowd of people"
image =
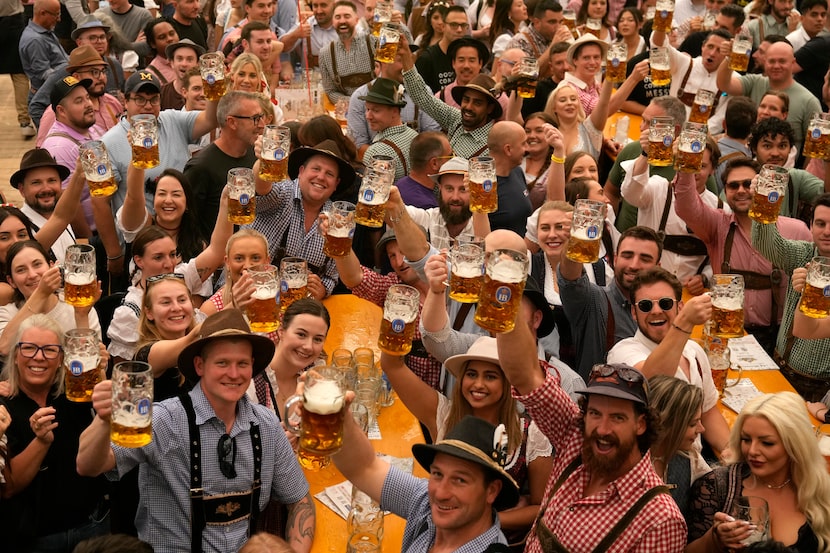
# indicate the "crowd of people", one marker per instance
pixel 593 425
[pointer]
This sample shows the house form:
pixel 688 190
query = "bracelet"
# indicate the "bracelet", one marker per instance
pixel 396 220
pixel 643 153
pixel 119 256
pixel 689 332
pixel 555 159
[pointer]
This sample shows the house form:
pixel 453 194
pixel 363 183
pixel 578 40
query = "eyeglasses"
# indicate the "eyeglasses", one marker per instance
pixel 632 376
pixel 664 303
pixel 226 451
pixel 97 38
pixel 255 118
pixel 165 276
pixel 49 351
pixel 508 62
pixel 141 101
pixel 736 184
pixel 464 26
pixel 94 72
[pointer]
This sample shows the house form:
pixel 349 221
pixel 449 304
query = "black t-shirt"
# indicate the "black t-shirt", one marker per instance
pixel 814 59
pixel 644 92
pixel 170 99
pixel 196 31
pixel 435 67
pixel 514 203
pixel 537 103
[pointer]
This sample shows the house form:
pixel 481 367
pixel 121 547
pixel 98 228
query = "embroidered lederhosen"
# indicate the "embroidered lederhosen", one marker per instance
pixel 681 244
pixel 219 510
pixel 549 542
pixel 752 280
pixel 354 80
pixel 688 98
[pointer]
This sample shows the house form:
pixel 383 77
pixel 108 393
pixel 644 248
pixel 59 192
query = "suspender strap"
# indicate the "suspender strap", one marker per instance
pixel 478 152
pixel 623 523
pixel 761 29
pixel 608 242
pixel 666 208
pixel 532 43
pixel 62 134
pixel 157 73
pixel 399 152
pixel 727 248
pixel 461 316
pixel 727 158
pixel 682 89
pixel 197 513
pixel 754 281
pixel 609 327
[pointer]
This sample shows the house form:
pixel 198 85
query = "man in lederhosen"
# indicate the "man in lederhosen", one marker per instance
pixel 348 62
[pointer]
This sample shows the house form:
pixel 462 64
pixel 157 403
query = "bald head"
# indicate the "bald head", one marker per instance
pixel 503 239
pixel 507 142
pixel 508 59
pixel 778 64
pixel 46 13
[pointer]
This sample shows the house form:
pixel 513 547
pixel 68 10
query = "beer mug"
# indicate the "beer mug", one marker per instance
pixel 388 41
pixel 741 52
pixel 660 139
pixel 501 292
pixel 80 359
pixel 466 269
pixel 342 360
pixel 264 311
pixel 484 197
pixel 341 112
pixel 364 356
pixel 97 169
pixel 593 26
pixel 383 15
pixel 321 427
pixel 241 196
pixel 371 198
pixel 276 144
pixel 569 19
pixel 212 67
pixel 815 300
pixel 367 393
pixel 663 15
pixel 702 106
pixel 400 311
pixel 710 20
pixel 293 281
pixel 615 62
pixel 660 64
pixel 586 231
pixel 755 511
pixel 338 240
pixel 144 133
pixel 132 404
pixel 817 139
pixel 692 142
pixel 727 294
pixel 381 163
pixel 80 286
pixel 770 189
pixel 364 524
pixel 720 363
pixel 528 77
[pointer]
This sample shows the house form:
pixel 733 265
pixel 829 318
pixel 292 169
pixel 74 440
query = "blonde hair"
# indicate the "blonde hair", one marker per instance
pixel 264 542
pixel 148 332
pixel 677 403
pixel 244 59
pixel 549 105
pixel 10 373
pixel 227 289
pixel 786 412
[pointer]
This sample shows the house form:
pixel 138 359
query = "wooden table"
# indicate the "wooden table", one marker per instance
pixel 633 125
pixel 355 323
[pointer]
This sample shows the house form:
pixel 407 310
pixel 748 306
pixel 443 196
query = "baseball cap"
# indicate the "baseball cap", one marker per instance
pixel 141 79
pixel 617 380
pixel 64 87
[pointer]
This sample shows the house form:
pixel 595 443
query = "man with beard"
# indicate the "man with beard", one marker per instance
pixel 183 56
pixel 777 19
pixel 727 238
pixel 663 345
pixel 348 62
pixel 602 470
pixel 601 317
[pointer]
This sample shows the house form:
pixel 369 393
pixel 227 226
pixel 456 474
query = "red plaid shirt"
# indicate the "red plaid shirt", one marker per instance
pixel 579 522
pixel 373 288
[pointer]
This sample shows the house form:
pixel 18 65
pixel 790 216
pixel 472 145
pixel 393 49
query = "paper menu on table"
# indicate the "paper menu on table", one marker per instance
pixel 747 353
pixel 735 397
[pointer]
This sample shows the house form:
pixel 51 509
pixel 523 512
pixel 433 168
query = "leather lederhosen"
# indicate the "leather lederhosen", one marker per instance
pixel 398 151
pixel 219 510
pixel 548 540
pixel 688 98
pixel 354 80
pixel 681 244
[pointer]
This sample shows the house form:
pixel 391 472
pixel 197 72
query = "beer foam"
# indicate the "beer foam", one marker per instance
pixel 340 232
pixel 728 304
pixel 324 398
pixel 467 270
pixel 507 272
pixel 820 283
pixel 403 313
pixel 265 293
pixel 81 363
pixel 79 279
pixel 295 281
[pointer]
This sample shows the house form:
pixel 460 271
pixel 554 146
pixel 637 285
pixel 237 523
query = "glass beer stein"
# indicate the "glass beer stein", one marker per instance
pixel 466 269
pixel 276 143
pixel 615 62
pixel 727 293
pixel 80 286
pixel 145 141
pixel 338 239
pixel 660 64
pixel 702 106
pixel 770 189
pixel 372 197
pixel 212 67
pixel 132 404
pixel 501 290
pixel 264 310
pixel 80 361
pixel 663 15
pixel 400 311
pixel 741 52
pixel 660 140
pixel 815 299
pixel 484 197
pixel 586 231
pixel 691 144
pixel 817 139
pixel 293 281
pixel 387 44
pixel 241 196
pixel 97 169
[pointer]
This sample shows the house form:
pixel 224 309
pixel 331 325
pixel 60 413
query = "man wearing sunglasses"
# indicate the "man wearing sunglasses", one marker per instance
pixel 727 239
pixel 210 435
pixel 602 470
pixel 662 344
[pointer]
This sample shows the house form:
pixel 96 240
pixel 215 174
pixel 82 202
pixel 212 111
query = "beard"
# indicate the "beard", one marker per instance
pixel 606 464
pixel 453 217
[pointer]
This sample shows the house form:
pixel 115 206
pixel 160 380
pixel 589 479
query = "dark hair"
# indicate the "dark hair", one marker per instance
pixel 251 27
pixel 322 127
pixel 456 9
pixel 822 200
pixel 559 47
pixel 773 39
pixel 546 6
pixel 294 127
pixel 735 12
pixel 144 238
pixel 306 306
pixel 150 32
pixel 582 14
pixel 429 33
pixel 501 20
pixel 577 189
pixel 723 33
pixel 714 151
pixel 635 13
pixel 770 128
pixel 7 211
pixel 346 3
pixel 570 161
pixel 741 113
pixel 780 94
pixel 13 251
pixel 739 162
pixel 114 543
pixel 807 5
pixel 643 233
pixel 190 241
pixel 424 147
pixel 653 276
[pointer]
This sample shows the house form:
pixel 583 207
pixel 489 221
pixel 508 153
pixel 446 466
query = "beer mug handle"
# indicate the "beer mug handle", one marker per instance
pixel 740 375
pixel 286 420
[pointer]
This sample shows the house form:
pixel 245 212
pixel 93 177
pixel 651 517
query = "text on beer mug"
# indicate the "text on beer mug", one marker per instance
pixel 97 169
pixel 132 404
pixel 80 361
pixel 400 311
pixel 727 293
pixel 80 286
pixel 501 290
pixel 815 299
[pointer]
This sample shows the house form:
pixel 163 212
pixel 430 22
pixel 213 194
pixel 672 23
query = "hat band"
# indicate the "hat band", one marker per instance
pixel 480 455
pixel 226 332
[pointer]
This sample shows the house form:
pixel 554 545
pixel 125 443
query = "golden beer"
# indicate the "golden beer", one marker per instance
pixel 213 88
pixel 289 295
pixel 370 215
pixel 102 189
pixel 337 246
pixel 484 196
pixel 131 436
pixel 321 429
pixel 688 162
pixel 273 170
pixel 79 382
pixel 739 61
pixel 728 323
pixel 527 88
pixel 499 303
pixel 242 210
pixel 264 311
pixel 615 71
pixel 570 23
pixel 815 301
pixel 396 336
pixel 387 52
pixel 662 20
pixel 79 290
pixel 660 76
pixel 146 157
pixel 376 25
pixel 583 245
pixel 719 378
pixel 700 113
pixel 765 209
pixel 465 283
pixel 660 152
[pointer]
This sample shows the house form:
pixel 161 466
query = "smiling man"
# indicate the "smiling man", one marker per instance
pixel 348 62
pixel 383 103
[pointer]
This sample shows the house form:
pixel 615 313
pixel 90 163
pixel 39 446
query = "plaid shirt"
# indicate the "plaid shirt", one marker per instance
pixel 807 356
pixel 580 522
pixel 530 42
pixel 359 58
pixel 373 288
pixel 402 137
pixel 464 143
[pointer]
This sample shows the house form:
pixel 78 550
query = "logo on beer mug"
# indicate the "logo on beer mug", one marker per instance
pixel 503 294
pixel 615 62
pixel 211 79
pixel 283 286
pixel 826 291
pixel 398 326
pixel 368 195
pixel 667 140
pixel 244 199
pixel 773 197
pixel 148 142
pixel 696 147
pixel 664 14
pixel 144 407
pixel 382 41
pixel 816 133
pixel 592 232
pixel 487 185
pixel 279 154
pixel 76 368
pixel 101 169
pixel 701 109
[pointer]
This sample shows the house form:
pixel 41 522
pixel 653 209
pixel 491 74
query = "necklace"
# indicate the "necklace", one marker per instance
pixel 755 481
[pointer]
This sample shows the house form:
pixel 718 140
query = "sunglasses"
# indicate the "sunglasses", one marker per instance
pixel 226 451
pixel 164 276
pixel 665 304
pixel 736 184
pixel 632 376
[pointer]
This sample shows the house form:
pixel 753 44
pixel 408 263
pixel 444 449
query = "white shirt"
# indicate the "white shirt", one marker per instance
pixel 432 220
pixel 685 10
pixel 65 239
pixel 798 38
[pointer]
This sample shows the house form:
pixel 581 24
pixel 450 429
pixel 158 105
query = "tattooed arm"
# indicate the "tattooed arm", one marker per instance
pixel 300 526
